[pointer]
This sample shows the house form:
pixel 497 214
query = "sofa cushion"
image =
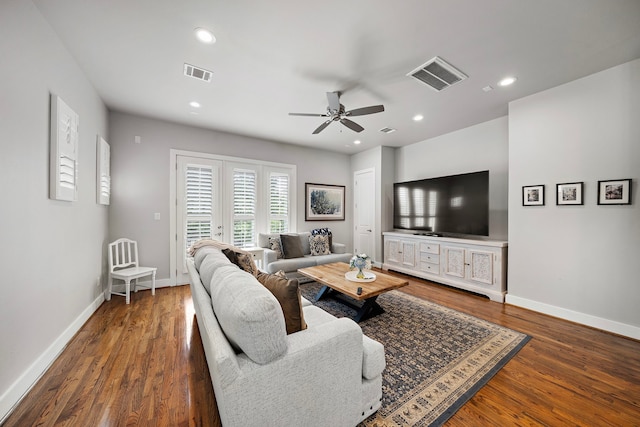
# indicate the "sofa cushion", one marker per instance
pixel 319 245
pixel 249 315
pixel 291 246
pixel 304 239
pixel 263 239
pixel 212 259
pixel 288 295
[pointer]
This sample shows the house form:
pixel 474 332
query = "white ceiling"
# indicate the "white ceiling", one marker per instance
pixel 281 56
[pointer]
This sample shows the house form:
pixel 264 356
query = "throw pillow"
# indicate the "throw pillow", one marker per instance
pixel 275 245
pixel 245 262
pixel 291 246
pixel 231 254
pixel 323 232
pixel 288 295
pixel 319 245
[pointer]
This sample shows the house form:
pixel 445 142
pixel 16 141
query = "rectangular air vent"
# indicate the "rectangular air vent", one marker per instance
pixel 438 74
pixel 387 130
pixel 197 73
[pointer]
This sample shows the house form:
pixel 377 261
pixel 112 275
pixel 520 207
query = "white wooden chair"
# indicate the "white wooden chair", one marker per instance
pixel 123 265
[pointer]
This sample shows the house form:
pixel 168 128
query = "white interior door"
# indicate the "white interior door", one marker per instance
pixel 364 212
pixel 199 206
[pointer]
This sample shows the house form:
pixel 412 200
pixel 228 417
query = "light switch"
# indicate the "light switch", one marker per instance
pixel 156 216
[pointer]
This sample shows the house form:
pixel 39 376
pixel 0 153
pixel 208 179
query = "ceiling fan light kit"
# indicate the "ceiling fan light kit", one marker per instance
pixel 337 113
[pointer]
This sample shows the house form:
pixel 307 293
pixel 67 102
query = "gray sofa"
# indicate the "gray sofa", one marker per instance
pixel 328 374
pixel 272 264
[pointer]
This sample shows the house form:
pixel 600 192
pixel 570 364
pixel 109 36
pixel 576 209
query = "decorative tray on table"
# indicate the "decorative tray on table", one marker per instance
pixel 368 276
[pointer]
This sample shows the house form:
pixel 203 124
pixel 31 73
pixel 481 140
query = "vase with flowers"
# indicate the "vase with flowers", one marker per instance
pixel 361 262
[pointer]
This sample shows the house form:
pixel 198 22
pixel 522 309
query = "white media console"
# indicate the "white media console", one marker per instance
pixel 474 265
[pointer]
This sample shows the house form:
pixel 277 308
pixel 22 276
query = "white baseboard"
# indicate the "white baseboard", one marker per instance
pixel 23 384
pixel 577 317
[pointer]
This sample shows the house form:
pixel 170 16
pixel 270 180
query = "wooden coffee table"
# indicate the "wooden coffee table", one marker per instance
pixel 332 277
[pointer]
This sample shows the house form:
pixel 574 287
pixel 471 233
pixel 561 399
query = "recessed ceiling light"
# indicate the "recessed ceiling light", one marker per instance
pixel 204 35
pixel 418 117
pixel 507 81
pixel 357 141
pixel 194 104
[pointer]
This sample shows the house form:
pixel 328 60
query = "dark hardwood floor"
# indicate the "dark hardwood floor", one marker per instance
pixel 143 364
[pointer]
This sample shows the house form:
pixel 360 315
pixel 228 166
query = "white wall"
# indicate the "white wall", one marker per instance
pixel 381 159
pixel 140 178
pixel 52 252
pixel 480 147
pixel 577 262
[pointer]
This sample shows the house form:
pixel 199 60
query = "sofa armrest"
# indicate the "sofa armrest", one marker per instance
pixel 321 372
pixel 373 360
pixel 269 256
pixel 338 248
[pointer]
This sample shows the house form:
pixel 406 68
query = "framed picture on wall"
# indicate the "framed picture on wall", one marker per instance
pixel 324 202
pixel 569 193
pixel 533 195
pixel 614 192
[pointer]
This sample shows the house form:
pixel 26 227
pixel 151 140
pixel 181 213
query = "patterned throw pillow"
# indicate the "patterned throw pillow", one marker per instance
pixel 245 262
pixel 275 245
pixel 323 232
pixel 319 245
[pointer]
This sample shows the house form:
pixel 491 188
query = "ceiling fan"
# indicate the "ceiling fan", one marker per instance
pixel 336 113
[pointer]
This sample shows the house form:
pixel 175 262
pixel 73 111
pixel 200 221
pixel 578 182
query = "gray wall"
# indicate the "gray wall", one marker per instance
pixel 577 262
pixel 140 185
pixel 480 147
pixel 52 252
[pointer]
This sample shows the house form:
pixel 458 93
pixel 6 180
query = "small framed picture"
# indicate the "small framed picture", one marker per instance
pixel 614 192
pixel 569 193
pixel 533 195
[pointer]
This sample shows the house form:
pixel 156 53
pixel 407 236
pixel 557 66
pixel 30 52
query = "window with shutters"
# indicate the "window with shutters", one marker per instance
pixel 244 207
pixel 278 202
pixel 198 200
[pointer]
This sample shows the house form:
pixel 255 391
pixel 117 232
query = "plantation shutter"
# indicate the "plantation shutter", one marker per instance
pixel 244 207
pixel 199 196
pixel 278 203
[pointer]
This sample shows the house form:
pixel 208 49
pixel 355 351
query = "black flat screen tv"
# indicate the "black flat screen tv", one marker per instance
pixel 456 204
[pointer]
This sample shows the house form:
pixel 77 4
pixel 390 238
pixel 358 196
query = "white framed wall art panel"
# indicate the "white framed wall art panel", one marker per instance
pixel 103 168
pixel 63 171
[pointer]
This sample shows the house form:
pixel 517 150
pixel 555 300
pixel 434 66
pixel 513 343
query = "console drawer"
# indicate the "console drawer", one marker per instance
pixel 429 257
pixel 432 248
pixel 430 267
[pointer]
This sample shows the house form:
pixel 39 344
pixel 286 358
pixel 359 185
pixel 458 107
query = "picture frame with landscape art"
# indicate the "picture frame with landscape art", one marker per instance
pixel 324 202
pixel 533 195
pixel 569 193
pixel 614 192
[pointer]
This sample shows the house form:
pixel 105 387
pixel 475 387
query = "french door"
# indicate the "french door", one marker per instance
pixel 199 206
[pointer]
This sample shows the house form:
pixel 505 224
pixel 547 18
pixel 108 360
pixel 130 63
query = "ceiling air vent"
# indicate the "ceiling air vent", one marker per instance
pixel 387 130
pixel 438 74
pixel 197 73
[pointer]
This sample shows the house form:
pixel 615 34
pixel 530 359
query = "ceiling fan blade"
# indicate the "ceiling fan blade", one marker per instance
pixel 365 110
pixel 352 125
pixel 308 114
pixel 321 127
pixel 334 100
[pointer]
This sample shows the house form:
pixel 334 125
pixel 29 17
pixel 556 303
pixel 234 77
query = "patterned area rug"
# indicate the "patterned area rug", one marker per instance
pixel 437 358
